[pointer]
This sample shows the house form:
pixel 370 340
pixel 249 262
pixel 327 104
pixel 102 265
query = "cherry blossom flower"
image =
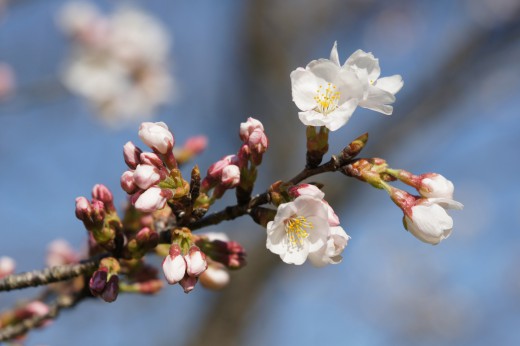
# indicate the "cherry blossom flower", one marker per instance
pixel 157 136
pixel 152 199
pixel 433 185
pixel 331 253
pixel 378 93
pixel 299 228
pixel 428 220
pixel 174 265
pixel 326 94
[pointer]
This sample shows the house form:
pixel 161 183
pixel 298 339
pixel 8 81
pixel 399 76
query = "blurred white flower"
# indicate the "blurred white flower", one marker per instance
pixel 119 62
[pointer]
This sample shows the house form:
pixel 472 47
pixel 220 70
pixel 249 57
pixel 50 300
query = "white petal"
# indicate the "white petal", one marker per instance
pixel 362 60
pixel 391 84
pixel 325 70
pixel 446 203
pixel 378 100
pixel 296 255
pixel 304 85
pixel 430 224
pixel 341 115
pixel 334 57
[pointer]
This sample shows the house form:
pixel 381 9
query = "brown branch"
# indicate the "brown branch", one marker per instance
pixel 62 302
pixel 50 275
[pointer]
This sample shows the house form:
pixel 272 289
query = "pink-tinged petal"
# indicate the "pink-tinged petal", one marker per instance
pixel 296 255
pixel 157 136
pixel 151 200
pixel 174 265
pixel 195 262
pixel 146 176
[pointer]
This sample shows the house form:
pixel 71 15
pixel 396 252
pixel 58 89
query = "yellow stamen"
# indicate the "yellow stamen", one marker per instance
pixel 326 99
pixel 296 229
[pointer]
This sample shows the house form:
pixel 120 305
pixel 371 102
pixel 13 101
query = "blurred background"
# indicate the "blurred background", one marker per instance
pixel 207 67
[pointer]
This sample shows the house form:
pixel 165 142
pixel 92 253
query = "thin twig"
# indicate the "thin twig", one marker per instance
pixel 62 302
pixel 50 275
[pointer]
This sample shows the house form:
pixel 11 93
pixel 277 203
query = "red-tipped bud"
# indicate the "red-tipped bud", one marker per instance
pixel 83 209
pixel 195 261
pixel 98 282
pixel 147 238
pixel 128 183
pixel 131 154
pixel 188 283
pixel 111 290
pixel 151 159
pixel 174 265
pixel 103 194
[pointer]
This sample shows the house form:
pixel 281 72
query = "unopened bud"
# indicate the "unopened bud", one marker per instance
pixel 146 176
pixel 97 282
pixel 354 148
pixel 147 238
pixel 230 176
pixel 196 145
pixel 151 159
pixel 151 200
pixel 157 136
pixel 195 261
pixel 128 183
pixel 83 209
pixel 188 283
pixel 103 194
pixel 111 290
pixel 98 212
pixel 174 265
pixel 131 154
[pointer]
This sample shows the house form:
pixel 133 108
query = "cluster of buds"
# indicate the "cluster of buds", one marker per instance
pixel 119 62
pixel 104 282
pixel 425 215
pixel 238 170
pixel 153 177
pixel 100 218
pixel 184 267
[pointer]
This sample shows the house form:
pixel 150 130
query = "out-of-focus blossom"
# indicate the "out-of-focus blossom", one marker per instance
pixel 7 80
pixel 215 277
pixel 59 252
pixel 188 283
pixel 119 62
pixel 7 266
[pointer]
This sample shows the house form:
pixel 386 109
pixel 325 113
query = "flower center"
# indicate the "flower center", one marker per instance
pixel 296 229
pixel 326 99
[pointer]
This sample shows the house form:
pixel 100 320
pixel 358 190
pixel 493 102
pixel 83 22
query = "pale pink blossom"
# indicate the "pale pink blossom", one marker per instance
pixel 433 185
pixel 146 176
pixel 157 136
pixel 215 277
pixel 59 252
pixel 247 128
pixel 131 154
pixel 128 183
pixel 331 253
pixel 230 176
pixel 152 199
pixel 7 266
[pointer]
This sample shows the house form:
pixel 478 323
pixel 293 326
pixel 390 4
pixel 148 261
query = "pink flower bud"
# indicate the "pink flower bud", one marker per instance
pixel 103 194
pixel 98 211
pixel 152 199
pixel 215 277
pixel 157 136
pixel 248 127
pixel 195 145
pixel 215 170
pixel 147 238
pixel 128 183
pixel 174 265
pixel 258 141
pixel 146 176
pixel 188 283
pixel 230 176
pixel 195 261
pixel 111 290
pixel 131 154
pixel 7 266
pixel 151 159
pixel 7 80
pixel 83 209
